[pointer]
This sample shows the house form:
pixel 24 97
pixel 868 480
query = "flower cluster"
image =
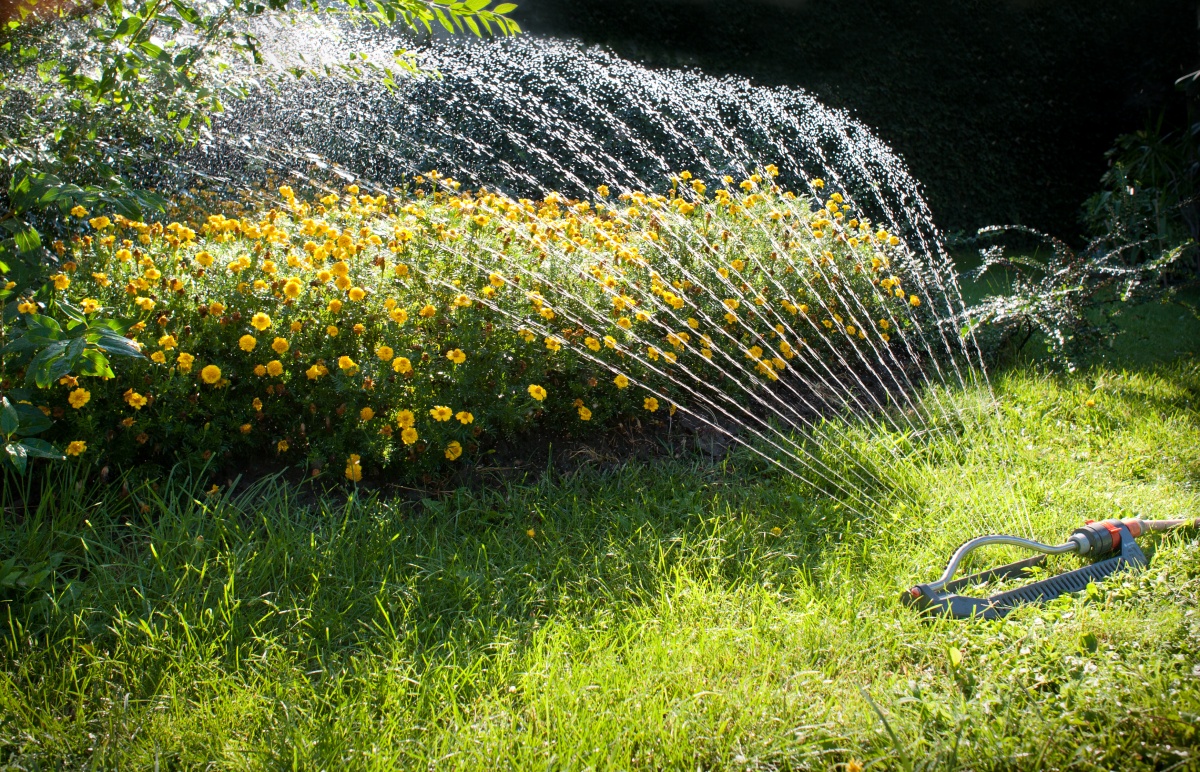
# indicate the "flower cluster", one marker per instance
pixel 410 331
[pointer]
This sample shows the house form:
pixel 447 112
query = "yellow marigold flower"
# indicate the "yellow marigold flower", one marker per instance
pixel 353 468
pixel 592 344
pixel 553 343
pixel 324 276
pixel 185 362
pixel 335 306
pixel 347 364
pixel 260 321
pixel 274 368
pixel 314 372
pixel 79 398
pixel 652 352
pixel 158 357
pixel 279 345
pixel 282 446
pixel 296 327
pixel 332 331
pixel 464 417
pixel 135 400
pixel 79 211
pixel 462 301
pixel 650 403
pixel 359 329
pixel 398 315
pixel 260 370
pixel 100 223
pixel 603 191
pixel 247 342
pixel 408 435
pixel 546 313
pixel 385 353
pixel 706 353
pixel 77 447
pixel 167 342
pixel 621 381
pixel 341 268
pixel 204 259
pixel 453 450
pixel 146 304
pixel 428 310
pixel 914 301
pixel 456 356
pixel 401 270
pixel 245 428
pixel 210 374
pixel 293 289
pixel 216 309
pixel 406 419
pixel 357 293
pixel 441 413
pixel 496 279
pixel 402 365
pixel 584 413
pixel 257 404
pixel 366 414
pixel 624 323
pixel 61 282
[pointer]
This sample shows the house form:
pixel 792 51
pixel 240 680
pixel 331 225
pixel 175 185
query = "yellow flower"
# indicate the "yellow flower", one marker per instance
pixel 353 468
pixel 78 447
pixel 818 183
pixel 531 533
pixel 405 419
pixel 315 372
pixel 260 321
pixel 216 309
pixel 295 327
pixel 135 400
pixel 441 413
pixel 456 356
pixel 428 310
pixel 282 446
pixel 158 357
pixel 204 259
pixel 210 374
pixel 624 323
pixel 385 353
pixel 247 342
pixel 146 304
pixel 537 392
pixel 334 306
pixel 553 343
pixel 592 344
pixel 398 315
pixel 462 301
pixel 621 381
pixel 79 211
pixel 366 414
pixel 584 413
pixel 100 223
pixel 257 404
pixel 274 368
pixel 610 341
pixel 603 191
pixel 279 345
pixel 402 365
pixel 293 288
pixel 359 329
pixel 347 364
pixel 408 435
pixel 650 403
pixel 357 293
pixel 332 331
pixel 496 280
pixel 914 301
pixel 185 362
pixel 464 417
pixel 453 450
pixel 246 428
pixel 79 398
pixel 260 370
pixel 61 282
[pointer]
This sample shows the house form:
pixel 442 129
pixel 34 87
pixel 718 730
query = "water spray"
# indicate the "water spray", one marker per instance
pixel 1110 543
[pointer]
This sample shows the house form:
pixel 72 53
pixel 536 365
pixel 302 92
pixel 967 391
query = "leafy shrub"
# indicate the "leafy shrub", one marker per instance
pixel 410 332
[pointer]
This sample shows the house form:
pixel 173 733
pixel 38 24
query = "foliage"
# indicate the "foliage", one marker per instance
pixel 671 615
pixel 408 331
pixel 19 422
pixel 1150 201
pixel 1068 298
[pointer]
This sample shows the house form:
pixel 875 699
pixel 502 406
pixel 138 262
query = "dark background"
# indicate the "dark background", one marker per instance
pixel 1003 109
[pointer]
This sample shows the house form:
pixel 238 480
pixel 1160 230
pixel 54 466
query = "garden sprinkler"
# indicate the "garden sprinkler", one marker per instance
pixel 1110 543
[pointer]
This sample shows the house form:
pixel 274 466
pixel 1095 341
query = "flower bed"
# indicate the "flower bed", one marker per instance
pixel 365 332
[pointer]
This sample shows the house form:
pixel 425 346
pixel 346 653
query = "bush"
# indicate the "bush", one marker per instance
pixel 412 332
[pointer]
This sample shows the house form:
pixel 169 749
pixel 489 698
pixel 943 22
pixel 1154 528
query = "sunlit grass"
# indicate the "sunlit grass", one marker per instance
pixel 654 618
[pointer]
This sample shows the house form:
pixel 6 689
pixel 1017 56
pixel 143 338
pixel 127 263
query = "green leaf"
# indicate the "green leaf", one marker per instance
pixel 10 419
pixel 42 449
pixel 504 8
pixel 118 345
pixel 17 456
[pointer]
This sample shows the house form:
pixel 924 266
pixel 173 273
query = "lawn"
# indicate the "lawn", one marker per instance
pixel 674 613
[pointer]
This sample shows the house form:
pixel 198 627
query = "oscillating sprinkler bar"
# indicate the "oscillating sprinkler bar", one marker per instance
pixel 1109 542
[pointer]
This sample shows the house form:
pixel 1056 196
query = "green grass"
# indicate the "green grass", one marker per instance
pixel 653 620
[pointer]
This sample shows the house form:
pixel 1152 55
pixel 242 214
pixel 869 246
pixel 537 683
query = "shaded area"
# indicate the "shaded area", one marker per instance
pixel 1003 110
